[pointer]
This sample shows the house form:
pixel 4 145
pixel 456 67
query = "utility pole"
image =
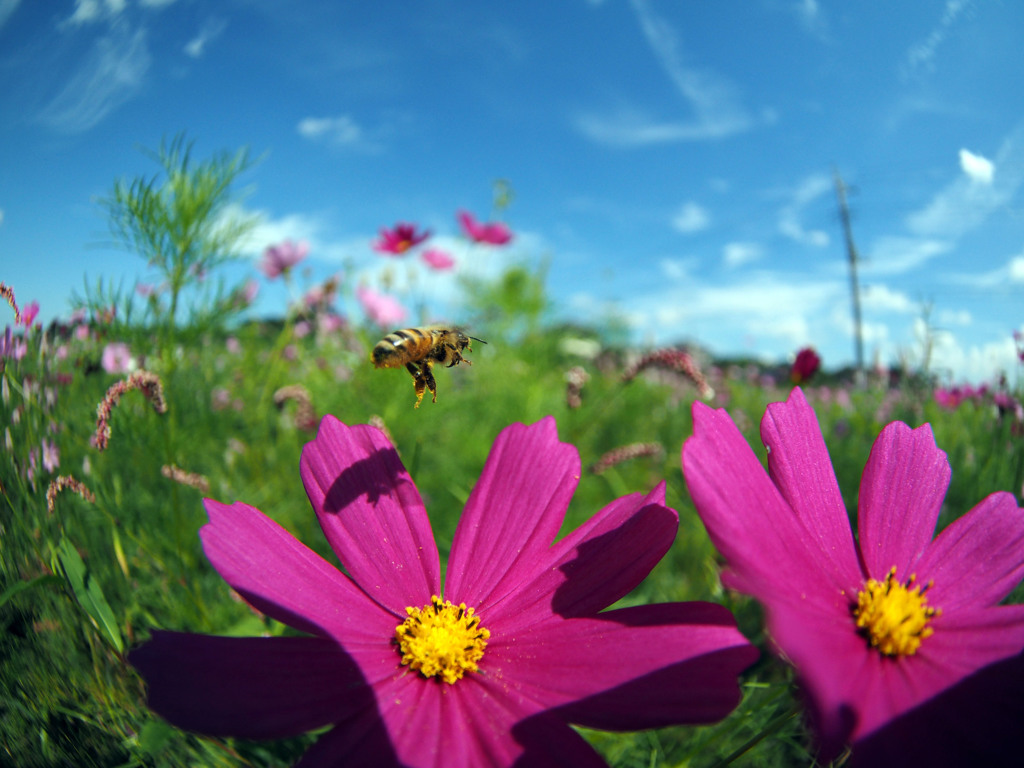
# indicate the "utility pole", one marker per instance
pixel 851 249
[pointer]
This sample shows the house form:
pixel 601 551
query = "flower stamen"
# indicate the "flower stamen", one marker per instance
pixel 894 617
pixel 441 640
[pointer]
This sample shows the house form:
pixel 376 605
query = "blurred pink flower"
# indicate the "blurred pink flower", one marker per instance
pixel 494 233
pixel 881 625
pixel 117 358
pixel 329 322
pixel 29 313
pixel 805 365
pixel 489 670
pixel 279 259
pixel 399 239
pixel 380 308
pixel 82 332
pixel 144 289
pixel 51 456
pixel 438 259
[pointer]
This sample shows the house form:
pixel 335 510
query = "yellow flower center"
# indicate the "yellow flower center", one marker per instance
pixel 441 640
pixel 894 617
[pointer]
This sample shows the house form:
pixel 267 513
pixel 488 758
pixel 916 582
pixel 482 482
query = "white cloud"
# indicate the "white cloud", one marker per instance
pixel 717 111
pixel 1016 269
pixel 921 55
pixel 978 169
pixel 954 317
pixel 210 30
pixel 808 13
pixel 968 200
pixel 881 298
pixel 7 9
pixel 1011 272
pixel 790 225
pixel 691 217
pixel 973 362
pixel 737 254
pixel 675 269
pixel 892 255
pixel 88 11
pixel 112 73
pixel 340 131
pixel 775 313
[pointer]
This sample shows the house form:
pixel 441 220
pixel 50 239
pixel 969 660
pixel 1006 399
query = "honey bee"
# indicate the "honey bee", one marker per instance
pixel 418 349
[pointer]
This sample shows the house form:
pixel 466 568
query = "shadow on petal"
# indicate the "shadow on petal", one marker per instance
pixel 549 743
pixel 607 567
pixel 375 476
pixel 975 722
pixel 261 688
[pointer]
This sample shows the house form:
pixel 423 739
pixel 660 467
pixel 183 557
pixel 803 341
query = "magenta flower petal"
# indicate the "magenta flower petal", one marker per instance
pixel 766 553
pixel 901 493
pixel 865 654
pixel 601 670
pixel 976 560
pixel 250 687
pixel 372 514
pixel 495 233
pixel 285 579
pixel 950 730
pixel 595 565
pixel 513 513
pixel 679 660
pixel 802 471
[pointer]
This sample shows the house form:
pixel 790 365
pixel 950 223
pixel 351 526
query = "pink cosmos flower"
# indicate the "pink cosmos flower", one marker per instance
pixel 438 259
pixel 881 628
pixel 805 365
pixel 494 233
pixel 29 313
pixel 522 645
pixel 117 358
pixel 379 307
pixel 279 259
pixel 399 239
pixel 51 455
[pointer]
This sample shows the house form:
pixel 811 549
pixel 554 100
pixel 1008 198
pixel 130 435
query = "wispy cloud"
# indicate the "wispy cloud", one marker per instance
pixel 208 32
pixel 921 55
pixel 964 203
pixel 112 73
pixel 811 18
pixel 881 298
pixel 738 254
pixel 896 255
pixel 339 131
pixel 691 218
pixel 88 11
pixel 714 101
pixel 809 190
pixel 1010 274
pixel 770 313
pixel 7 8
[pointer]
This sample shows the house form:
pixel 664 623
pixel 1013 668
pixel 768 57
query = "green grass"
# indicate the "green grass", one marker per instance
pixel 67 696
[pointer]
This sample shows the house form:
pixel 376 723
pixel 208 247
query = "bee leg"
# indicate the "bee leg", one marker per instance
pixel 427 378
pixel 419 383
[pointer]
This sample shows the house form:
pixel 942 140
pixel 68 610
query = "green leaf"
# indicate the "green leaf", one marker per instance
pixel 89 593
pixel 154 736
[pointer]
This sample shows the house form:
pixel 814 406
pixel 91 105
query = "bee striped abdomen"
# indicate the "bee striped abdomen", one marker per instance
pixel 401 347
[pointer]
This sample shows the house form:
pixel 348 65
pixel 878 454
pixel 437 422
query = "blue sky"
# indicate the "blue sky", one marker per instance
pixel 673 161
